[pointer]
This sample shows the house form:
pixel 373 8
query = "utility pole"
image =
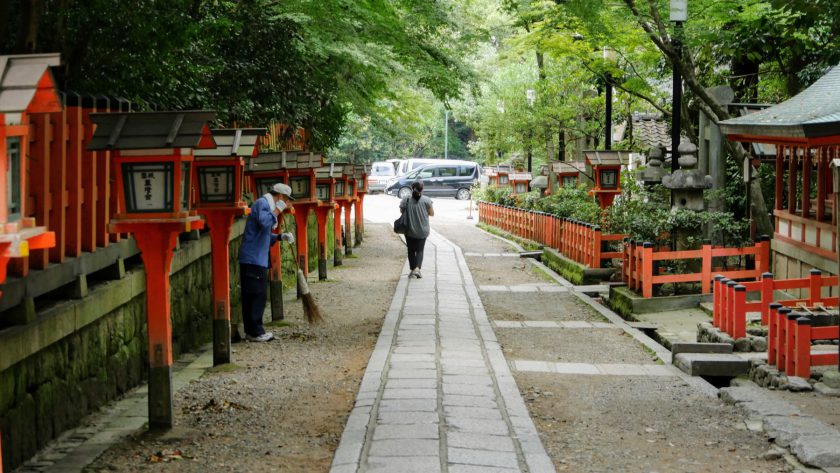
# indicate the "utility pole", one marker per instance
pixel 446 134
pixel 679 14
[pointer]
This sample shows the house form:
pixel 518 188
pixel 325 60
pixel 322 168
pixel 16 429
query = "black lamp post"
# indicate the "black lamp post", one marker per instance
pixel 679 14
pixel 609 55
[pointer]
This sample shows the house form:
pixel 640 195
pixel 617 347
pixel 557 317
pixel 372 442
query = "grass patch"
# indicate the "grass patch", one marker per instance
pixel 542 274
pixel 528 245
pixel 226 368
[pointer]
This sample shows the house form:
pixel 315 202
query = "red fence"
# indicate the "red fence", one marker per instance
pixel 640 270
pixel 789 341
pixel 578 241
pixel 730 304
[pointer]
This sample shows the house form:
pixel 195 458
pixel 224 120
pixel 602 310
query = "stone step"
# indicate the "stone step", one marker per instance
pixel 712 364
pixel 688 347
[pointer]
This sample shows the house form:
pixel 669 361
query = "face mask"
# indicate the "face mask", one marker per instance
pixel 281 206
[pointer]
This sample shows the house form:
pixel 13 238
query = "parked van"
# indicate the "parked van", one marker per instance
pixel 407 165
pixel 444 178
pixel 380 173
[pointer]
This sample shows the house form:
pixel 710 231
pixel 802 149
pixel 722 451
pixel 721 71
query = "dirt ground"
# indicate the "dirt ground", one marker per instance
pixel 282 405
pixel 608 423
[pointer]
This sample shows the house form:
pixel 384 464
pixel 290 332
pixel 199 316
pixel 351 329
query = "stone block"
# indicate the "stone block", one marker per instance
pixel 831 379
pixel 785 430
pixel 826 391
pixel 797 384
pixel 712 364
pixel 685 347
pixel 818 451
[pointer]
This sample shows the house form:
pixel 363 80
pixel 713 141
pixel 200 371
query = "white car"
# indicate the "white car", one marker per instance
pixel 381 172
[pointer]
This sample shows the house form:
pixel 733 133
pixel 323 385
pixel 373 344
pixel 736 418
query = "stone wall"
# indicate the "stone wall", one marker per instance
pixel 79 355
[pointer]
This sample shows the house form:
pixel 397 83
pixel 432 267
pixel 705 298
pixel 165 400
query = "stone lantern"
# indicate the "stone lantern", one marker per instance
pixel 688 182
pixel 652 174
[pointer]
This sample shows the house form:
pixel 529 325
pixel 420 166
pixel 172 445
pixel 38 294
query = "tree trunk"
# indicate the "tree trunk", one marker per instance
pixel 744 79
pixel 30 19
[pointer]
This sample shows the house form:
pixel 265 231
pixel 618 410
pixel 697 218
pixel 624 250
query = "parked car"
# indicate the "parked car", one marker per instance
pixel 447 179
pixel 380 173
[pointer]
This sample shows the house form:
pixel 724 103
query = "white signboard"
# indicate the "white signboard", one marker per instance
pixel 323 191
pixel 679 10
pixel 150 188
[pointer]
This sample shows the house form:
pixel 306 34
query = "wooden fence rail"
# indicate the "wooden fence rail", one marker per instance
pixel 641 268
pixel 730 303
pixel 581 242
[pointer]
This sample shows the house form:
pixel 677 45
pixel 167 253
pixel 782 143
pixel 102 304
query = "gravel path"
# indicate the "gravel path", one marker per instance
pixel 571 345
pixel 531 306
pixel 282 406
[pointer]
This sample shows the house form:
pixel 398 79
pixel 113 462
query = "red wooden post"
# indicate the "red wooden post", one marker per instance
pixel 156 242
pixel 221 221
pixel 89 186
pixel 596 247
pixel 360 219
pixel 772 331
pixel 102 213
pixel 647 270
pixel 58 186
pixel 781 337
pixel 302 237
pixel 764 251
pixel 716 298
pixel 814 286
pixel 321 214
pixel 739 328
pixel 74 179
pixel 731 314
pixel 802 351
pixel 337 235
pixel 39 179
pixel 275 278
pixel 348 242
pixel 766 296
pixel 706 272
pixel 790 341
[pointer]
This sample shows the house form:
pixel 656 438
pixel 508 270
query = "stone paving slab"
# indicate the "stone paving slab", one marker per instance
pixel 593 369
pixel 438 394
pixel 551 324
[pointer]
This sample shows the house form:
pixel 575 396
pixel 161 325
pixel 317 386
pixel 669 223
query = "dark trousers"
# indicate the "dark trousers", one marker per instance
pixel 254 283
pixel 415 251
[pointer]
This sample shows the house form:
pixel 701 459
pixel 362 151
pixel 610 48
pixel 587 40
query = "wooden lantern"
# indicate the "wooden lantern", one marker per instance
pixel 606 169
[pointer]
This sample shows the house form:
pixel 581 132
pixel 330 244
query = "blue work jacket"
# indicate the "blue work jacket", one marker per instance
pixel 258 236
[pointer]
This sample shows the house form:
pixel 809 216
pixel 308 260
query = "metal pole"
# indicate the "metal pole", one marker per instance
pixel 446 134
pixel 608 126
pixel 676 110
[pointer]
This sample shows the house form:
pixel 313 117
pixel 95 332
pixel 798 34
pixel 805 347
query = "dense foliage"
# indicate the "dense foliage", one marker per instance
pixel 296 61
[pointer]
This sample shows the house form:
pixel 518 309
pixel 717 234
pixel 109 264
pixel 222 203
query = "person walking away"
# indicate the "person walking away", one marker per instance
pixel 254 259
pixel 417 209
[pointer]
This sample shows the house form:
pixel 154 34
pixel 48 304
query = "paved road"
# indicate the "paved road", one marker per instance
pixel 381 208
pixel 438 394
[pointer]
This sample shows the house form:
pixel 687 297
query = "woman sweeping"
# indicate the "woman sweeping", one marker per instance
pixel 417 209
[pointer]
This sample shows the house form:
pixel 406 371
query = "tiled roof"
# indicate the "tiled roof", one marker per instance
pixel 651 130
pixel 813 113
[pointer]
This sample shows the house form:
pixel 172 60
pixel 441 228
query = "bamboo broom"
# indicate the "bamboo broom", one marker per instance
pixel 311 311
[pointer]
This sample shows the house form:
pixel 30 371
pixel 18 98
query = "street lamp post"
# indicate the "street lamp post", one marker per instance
pixel 679 14
pixel 609 55
pixel 531 97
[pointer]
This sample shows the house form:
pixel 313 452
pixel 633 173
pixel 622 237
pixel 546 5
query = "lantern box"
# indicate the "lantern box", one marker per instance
pixel 154 157
pixel 568 174
pixel 519 182
pixel 361 172
pixel 220 172
pixel 606 169
pixel 297 170
pixel 327 179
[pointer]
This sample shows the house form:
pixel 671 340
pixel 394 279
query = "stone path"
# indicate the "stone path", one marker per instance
pixel 597 369
pixel 438 395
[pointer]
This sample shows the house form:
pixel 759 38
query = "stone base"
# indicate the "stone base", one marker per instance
pixel 574 272
pixel 626 302
pixel 707 333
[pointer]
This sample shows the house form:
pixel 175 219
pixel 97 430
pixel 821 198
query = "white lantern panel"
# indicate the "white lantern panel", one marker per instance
pixel 300 187
pixel 215 184
pixel 323 191
pixel 148 187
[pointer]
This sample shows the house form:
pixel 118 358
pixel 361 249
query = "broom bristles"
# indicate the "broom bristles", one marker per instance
pixel 311 311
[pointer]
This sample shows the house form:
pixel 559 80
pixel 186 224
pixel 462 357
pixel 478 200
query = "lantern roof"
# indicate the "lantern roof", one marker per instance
pixel 813 113
pixel 331 170
pixel 232 142
pixel 361 168
pixel 152 130
pixel 285 160
pixel 27 85
pixel 520 176
pixel 607 158
pixel 566 167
